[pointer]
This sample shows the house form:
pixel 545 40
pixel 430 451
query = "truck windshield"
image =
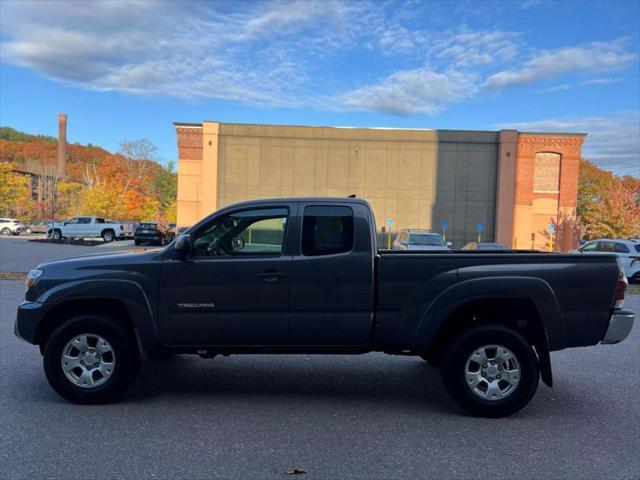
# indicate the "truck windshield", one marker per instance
pixel 425 239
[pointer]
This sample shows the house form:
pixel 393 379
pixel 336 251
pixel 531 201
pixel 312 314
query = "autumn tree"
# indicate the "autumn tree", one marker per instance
pixel 608 205
pixel 14 190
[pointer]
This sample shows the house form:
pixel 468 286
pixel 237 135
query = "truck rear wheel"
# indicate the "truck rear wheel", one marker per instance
pixel 490 371
pixel 108 236
pixel 91 359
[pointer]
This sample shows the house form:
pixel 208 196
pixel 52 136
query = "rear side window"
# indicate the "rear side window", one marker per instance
pixel 621 248
pixel 327 230
pixel 606 247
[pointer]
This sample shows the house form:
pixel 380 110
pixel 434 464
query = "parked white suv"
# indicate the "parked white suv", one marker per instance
pixel 10 226
pixel 628 251
pixel 90 227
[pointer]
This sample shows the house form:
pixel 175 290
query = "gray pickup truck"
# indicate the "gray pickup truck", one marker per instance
pixel 304 275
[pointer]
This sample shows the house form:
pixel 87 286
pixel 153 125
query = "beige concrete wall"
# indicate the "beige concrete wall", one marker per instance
pixel 416 177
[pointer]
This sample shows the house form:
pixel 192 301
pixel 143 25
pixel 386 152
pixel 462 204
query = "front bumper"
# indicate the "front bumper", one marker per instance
pixel 620 325
pixel 27 319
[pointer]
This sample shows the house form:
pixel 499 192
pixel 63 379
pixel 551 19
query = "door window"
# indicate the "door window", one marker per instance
pixel 258 232
pixel 327 230
pixel 73 221
pixel 590 247
pixel 84 220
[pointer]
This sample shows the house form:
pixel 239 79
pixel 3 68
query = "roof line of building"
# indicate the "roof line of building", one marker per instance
pixel 199 125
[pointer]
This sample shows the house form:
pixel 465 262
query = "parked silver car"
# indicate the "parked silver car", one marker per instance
pixel 627 251
pixel 413 239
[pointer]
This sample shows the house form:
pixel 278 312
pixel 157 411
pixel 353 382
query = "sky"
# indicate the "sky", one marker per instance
pixel 128 70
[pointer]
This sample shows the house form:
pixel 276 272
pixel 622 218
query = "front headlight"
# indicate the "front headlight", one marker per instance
pixel 32 277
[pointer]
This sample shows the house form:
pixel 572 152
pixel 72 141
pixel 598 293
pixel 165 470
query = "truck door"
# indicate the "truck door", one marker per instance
pixel 70 228
pixel 233 289
pixel 331 289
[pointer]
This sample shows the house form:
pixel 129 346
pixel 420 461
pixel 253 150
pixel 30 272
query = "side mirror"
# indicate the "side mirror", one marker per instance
pixel 403 242
pixel 449 244
pixel 183 245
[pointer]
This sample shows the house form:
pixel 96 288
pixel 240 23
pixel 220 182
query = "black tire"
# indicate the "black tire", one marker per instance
pixel 108 236
pixel 136 242
pixel 125 349
pixel 455 360
pixel 56 235
pixel 6 231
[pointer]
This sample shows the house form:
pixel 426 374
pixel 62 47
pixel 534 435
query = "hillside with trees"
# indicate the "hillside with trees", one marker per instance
pixel 128 185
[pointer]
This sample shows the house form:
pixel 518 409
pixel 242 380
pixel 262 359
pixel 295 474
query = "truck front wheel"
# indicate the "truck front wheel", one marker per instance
pixel 490 371
pixel 91 359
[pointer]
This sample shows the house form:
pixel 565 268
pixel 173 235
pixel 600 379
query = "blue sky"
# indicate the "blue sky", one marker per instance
pixel 127 70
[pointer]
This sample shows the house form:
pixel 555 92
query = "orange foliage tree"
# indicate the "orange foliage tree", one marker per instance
pixel 608 205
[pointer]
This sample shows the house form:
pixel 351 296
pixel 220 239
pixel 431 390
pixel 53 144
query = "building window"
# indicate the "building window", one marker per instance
pixel 546 175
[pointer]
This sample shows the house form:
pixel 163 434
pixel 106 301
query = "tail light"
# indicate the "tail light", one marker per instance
pixel 621 288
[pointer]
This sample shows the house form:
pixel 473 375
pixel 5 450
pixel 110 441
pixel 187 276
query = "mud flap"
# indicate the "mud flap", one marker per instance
pixel 544 361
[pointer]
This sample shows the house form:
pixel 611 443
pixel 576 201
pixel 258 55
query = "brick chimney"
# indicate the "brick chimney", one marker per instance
pixel 62 145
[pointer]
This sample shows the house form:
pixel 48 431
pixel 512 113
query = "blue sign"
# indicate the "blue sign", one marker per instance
pixel 552 227
pixel 444 223
pixel 389 221
pixel 480 227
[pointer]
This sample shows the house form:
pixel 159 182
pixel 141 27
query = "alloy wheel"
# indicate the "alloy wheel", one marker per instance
pixel 88 360
pixel 492 372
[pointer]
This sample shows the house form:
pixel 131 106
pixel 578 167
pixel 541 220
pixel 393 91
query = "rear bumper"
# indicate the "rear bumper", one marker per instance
pixel 620 325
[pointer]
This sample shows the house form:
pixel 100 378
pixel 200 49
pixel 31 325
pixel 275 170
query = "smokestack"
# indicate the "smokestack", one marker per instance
pixel 62 145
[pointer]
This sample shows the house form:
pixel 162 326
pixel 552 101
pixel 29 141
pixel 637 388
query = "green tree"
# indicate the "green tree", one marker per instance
pixel 165 186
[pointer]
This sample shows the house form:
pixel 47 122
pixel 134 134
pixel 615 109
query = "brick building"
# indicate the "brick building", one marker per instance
pixel 513 183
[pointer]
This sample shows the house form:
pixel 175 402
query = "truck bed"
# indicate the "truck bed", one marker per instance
pixel 414 287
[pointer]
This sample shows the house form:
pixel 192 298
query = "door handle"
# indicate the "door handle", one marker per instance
pixel 271 275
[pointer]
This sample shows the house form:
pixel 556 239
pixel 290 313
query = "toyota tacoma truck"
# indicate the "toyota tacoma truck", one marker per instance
pixel 305 276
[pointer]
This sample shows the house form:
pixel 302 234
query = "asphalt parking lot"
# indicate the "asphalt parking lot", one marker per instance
pixel 339 417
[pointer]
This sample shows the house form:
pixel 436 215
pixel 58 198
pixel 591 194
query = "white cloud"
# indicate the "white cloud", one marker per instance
pixel 411 91
pixel 549 64
pixel 613 142
pixel 468 48
pixel 593 81
pixel 283 53
pixel 148 47
pixel 601 81
pixel 558 88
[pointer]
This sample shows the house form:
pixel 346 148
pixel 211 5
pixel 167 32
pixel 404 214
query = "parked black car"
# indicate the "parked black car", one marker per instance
pixel 153 233
pixel 305 275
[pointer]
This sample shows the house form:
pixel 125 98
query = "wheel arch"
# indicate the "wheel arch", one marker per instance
pixel 125 301
pixel 528 305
